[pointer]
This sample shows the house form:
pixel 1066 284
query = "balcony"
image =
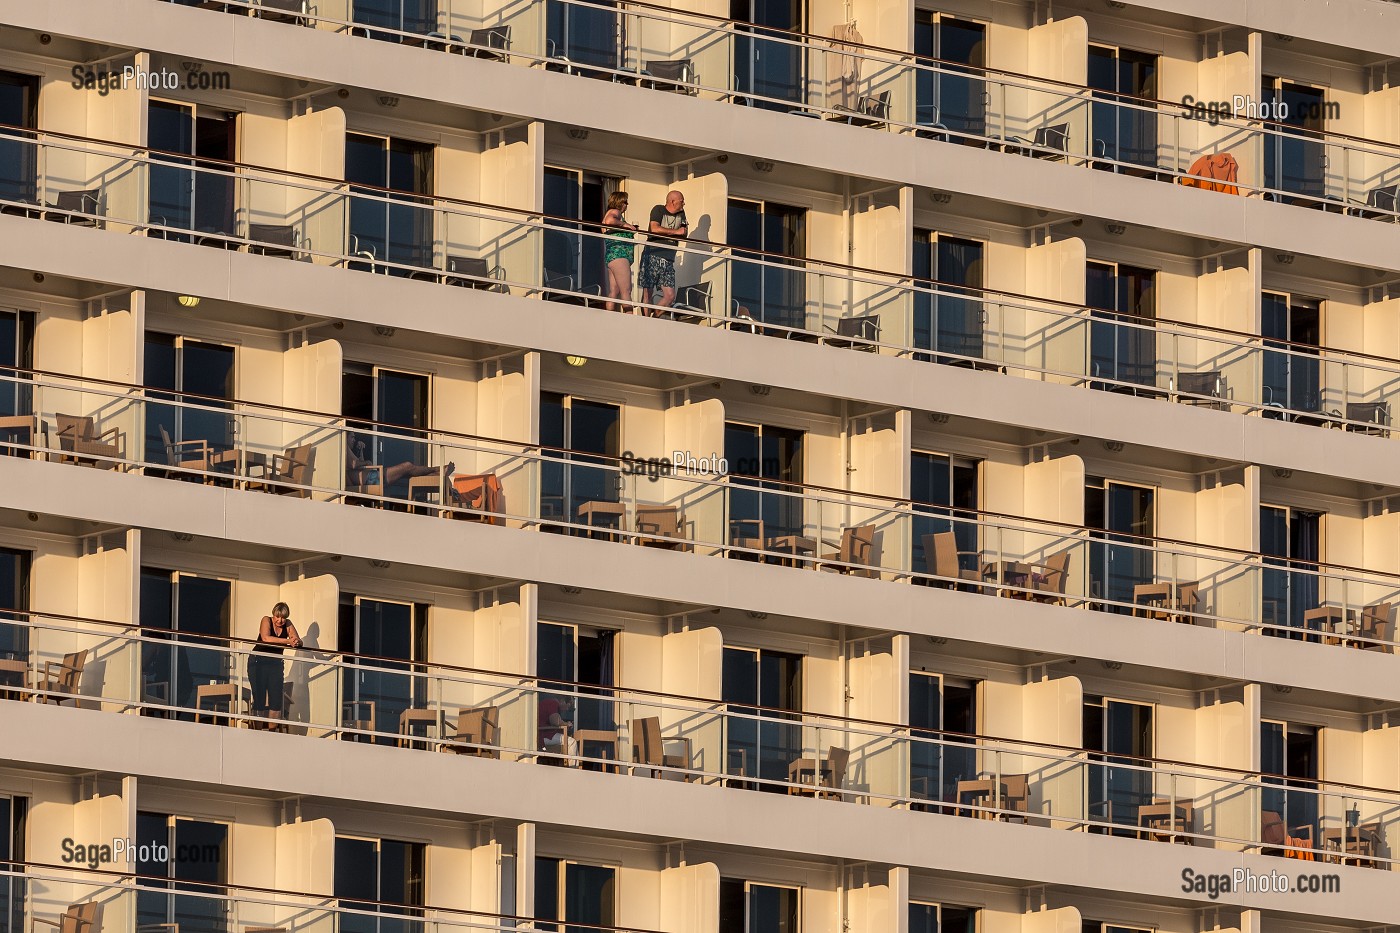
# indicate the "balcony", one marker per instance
pixel 511 719
pixel 92 900
pixel 712 58
pixel 483 247
pixel 710 512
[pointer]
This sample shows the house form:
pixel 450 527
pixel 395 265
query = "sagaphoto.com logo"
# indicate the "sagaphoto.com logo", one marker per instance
pixel 193 76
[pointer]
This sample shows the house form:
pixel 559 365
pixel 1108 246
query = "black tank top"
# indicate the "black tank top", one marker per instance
pixel 268 647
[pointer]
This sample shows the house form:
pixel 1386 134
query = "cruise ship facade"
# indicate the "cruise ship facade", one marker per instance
pixel 765 466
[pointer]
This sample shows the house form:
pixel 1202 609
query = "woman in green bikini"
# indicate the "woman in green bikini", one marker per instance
pixel 617 256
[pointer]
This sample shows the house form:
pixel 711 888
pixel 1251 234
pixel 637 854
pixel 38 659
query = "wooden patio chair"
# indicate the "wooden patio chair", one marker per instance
pixel 480 728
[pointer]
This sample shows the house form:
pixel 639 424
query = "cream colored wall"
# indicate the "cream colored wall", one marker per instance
pixel 1058 50
pixel 1059 920
pixel 315 146
pixel 876 684
pixel 882 238
pixel 689 898
pixel 1048 339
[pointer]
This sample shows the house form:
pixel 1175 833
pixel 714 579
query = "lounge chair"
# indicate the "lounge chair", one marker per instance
pixel 1047 584
pixel 79 442
pixel 56 682
pixel 1280 839
pixel 194 454
pixel 492 43
pixel 814 776
pixel 479 728
pixel 941 559
pixel 665 524
pixel 857 547
pixel 676 75
pixel 86 204
pixel 78 918
pixel 649 749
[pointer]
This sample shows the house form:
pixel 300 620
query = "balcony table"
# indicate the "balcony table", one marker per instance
pixel 1333 621
pixel 982 793
pixel 28 425
pixel 1353 845
pixel 1165 818
pixel 1008 573
pixel 430 720
pixel 811 774
pixel 208 697
pixel 796 545
pixel 12 674
pixel 608 738
pixel 612 514
pixel 239 461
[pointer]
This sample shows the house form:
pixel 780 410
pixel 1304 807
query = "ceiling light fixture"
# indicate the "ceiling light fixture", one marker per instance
pixel 576 360
pixel 189 301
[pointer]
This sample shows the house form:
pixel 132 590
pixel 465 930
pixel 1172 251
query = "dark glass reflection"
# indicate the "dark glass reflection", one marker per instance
pixel 14 594
pixel 1288 757
pixel 585 34
pixel 762 742
pixel 1295 157
pixel 379 870
pixel 1122 339
pixel 393 226
pixel 1120 518
pixel 19 108
pixel 1290 541
pixel 1292 329
pixel 578 433
pixel 396 634
pixel 762 457
pixel 197 862
pixel 191 184
pixel 200 374
pixel 954 96
pixel 581 196
pixel 416 17
pixel 195 612
pixel 1124 125
pixel 1120 737
pixel 774 292
pixel 768 62
pixel 951 321
pixel 943 489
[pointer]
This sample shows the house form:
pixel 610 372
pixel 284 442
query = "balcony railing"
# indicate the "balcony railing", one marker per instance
pixel 424 706
pixel 661 505
pixel 674 50
pixel 35 897
pixel 658 504
pixel 502 250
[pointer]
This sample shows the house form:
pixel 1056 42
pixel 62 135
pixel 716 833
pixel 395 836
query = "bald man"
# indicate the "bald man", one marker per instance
pixel 657 274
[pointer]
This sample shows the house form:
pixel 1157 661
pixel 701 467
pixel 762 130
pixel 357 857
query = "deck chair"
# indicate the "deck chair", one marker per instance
pixel 1048 585
pixel 1048 142
pixel 1375 623
pixel 558 287
pixel 861 332
pixel 87 202
pixel 474 272
pixel 80 442
pixel 480 728
pixel 1017 798
pixel 830 773
pixel 694 299
pixel 677 75
pixel 195 454
pixel 857 547
pixel 869 111
pixel 1374 417
pixel 291 472
pixel 78 918
pixel 57 682
pixel 941 558
pixel 1380 203
pixel 649 749
pixel 276 239
pixel 492 43
pixel 283 11
pixel 1209 384
pixel 666 525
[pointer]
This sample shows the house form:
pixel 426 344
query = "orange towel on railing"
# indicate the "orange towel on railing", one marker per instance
pixel 1218 172
pixel 481 491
